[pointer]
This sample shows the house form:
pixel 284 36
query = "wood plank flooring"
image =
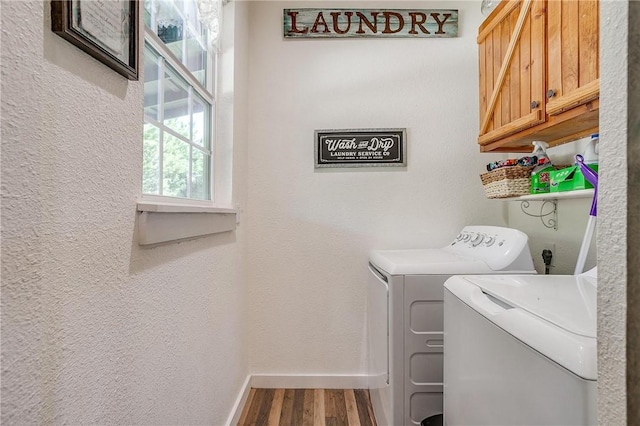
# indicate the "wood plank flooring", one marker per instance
pixel 306 407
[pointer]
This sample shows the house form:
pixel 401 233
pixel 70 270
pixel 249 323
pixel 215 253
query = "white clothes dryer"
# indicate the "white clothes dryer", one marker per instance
pixel 520 350
pixel 405 315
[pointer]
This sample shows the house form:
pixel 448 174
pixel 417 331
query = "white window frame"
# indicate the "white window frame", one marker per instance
pixel 165 218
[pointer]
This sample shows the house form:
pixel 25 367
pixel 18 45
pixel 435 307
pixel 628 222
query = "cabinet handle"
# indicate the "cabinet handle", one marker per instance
pixel 551 93
pixel 534 104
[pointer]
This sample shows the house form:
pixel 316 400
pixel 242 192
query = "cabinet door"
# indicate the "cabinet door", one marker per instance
pixel 572 54
pixel 512 69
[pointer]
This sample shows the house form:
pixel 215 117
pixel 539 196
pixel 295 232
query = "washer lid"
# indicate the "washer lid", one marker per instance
pixel 427 262
pixel 555 315
pixel 567 301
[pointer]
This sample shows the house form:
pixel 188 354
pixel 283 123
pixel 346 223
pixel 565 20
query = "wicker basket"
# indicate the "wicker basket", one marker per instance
pixel 507 182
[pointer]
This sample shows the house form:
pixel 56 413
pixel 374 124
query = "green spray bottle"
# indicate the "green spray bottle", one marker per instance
pixel 540 173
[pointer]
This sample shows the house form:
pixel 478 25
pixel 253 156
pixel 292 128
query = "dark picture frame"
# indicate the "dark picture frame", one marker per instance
pixel 105 29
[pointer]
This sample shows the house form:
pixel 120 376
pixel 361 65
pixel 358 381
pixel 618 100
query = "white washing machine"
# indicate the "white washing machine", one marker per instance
pixel 405 314
pixel 520 350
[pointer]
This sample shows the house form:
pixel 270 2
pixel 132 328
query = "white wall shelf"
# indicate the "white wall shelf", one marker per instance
pixel 583 193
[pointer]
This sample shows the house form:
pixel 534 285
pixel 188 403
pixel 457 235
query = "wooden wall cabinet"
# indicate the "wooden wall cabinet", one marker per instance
pixel 538 73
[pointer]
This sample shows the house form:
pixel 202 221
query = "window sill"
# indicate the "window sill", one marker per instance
pixel 164 222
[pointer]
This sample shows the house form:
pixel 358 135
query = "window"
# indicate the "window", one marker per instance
pixel 179 102
pixel 179 111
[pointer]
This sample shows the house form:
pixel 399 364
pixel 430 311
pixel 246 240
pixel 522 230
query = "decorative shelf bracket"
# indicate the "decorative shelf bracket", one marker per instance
pixel 545 212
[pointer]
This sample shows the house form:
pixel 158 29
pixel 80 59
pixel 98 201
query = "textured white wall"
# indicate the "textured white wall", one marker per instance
pixel 633 230
pixel 613 209
pixel 96 330
pixel 310 231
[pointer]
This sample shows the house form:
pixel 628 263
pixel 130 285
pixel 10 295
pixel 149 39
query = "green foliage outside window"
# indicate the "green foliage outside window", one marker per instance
pixel 175 167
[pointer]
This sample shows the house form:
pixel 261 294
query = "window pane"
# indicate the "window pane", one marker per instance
pixel 196 56
pixel 151 71
pixel 176 23
pixel 170 25
pixel 176 105
pixel 151 165
pixel 148 12
pixel 200 120
pixel 190 12
pixel 199 175
pixel 175 170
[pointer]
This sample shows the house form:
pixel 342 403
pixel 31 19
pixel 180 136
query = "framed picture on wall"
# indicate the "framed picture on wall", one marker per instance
pixel 105 29
pixel 360 148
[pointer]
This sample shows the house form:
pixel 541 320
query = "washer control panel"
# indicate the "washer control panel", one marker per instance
pixel 497 246
pixel 475 239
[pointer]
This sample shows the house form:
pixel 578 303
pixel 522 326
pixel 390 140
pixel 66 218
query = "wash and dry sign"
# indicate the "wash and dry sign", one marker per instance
pixel 318 23
pixel 360 148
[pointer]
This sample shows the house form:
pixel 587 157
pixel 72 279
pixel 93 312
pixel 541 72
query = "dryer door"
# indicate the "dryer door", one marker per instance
pixel 378 345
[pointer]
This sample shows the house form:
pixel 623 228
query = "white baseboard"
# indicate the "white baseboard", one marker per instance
pixel 292 381
pixel 236 411
pixel 300 381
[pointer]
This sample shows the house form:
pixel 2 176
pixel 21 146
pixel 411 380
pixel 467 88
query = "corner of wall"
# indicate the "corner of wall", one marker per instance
pixel 613 207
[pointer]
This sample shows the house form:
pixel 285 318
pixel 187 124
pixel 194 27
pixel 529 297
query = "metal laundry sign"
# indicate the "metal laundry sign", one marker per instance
pixel 322 23
pixel 360 148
